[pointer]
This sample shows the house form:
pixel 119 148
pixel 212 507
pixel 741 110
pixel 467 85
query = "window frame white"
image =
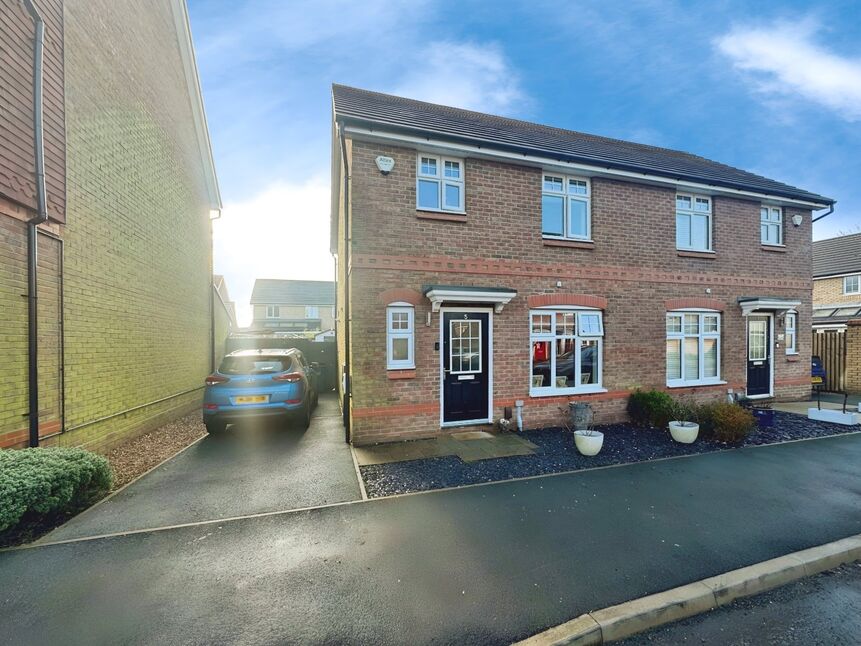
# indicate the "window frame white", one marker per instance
pixel 701 335
pixel 690 213
pixel 567 196
pixel 857 289
pixel 273 311
pixel 551 389
pixel 441 181
pixel 766 221
pixel 409 334
pixel 791 330
pixel 468 371
pixel 312 312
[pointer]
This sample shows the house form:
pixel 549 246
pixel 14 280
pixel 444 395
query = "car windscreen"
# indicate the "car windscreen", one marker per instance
pixel 255 365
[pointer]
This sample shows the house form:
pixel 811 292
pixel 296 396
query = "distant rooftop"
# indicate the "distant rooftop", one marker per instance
pixel 384 111
pixel 293 292
pixel 836 256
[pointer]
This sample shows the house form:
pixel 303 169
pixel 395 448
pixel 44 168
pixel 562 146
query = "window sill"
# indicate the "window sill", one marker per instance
pixel 401 373
pixel 689 253
pixel 792 357
pixel 555 392
pixel 697 384
pixel 573 244
pixel 779 248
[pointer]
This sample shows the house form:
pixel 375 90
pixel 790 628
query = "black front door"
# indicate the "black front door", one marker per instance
pixel 465 360
pixel 758 355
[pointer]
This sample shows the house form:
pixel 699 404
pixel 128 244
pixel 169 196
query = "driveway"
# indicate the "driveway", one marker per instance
pixel 244 471
pixel 480 565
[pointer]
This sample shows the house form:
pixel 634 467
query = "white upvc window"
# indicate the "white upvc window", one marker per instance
pixel 273 312
pixel 400 336
pixel 312 312
pixel 693 222
pixel 693 348
pixel 771 225
pixel 852 284
pixel 566 211
pixel 791 333
pixel 439 183
pixel 566 351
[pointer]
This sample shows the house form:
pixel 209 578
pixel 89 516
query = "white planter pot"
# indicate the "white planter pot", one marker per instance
pixel 684 432
pixel 589 444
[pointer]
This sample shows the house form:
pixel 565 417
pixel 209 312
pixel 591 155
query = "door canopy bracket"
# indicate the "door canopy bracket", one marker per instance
pixel 779 305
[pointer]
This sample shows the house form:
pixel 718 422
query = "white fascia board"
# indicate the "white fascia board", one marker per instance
pixel 447 148
pixel 766 304
pixel 851 273
pixel 438 297
pixel 195 97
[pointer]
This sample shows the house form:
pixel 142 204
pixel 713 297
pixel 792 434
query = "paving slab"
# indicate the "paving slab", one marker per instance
pixel 488 564
pixel 247 470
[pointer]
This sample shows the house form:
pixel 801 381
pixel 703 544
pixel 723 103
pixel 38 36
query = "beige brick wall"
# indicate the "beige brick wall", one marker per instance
pixel 634 264
pixel 853 356
pixel 827 291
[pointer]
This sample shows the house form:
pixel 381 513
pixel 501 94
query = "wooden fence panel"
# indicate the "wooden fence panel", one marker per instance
pixel 830 346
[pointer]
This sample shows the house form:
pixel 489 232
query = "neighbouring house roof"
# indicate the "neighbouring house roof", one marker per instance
pixel 837 256
pixel 378 111
pixel 273 291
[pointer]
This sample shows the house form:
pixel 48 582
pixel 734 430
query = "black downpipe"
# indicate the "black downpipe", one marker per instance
pixel 824 215
pixel 32 224
pixel 348 386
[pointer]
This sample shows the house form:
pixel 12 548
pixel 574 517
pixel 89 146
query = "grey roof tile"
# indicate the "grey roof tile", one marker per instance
pixel 293 292
pixel 841 255
pixel 418 117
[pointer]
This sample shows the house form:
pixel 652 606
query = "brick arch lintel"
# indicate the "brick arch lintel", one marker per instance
pixel 579 300
pixel 400 295
pixel 698 303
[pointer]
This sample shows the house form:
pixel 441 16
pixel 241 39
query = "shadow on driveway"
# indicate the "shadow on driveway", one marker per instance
pixel 247 470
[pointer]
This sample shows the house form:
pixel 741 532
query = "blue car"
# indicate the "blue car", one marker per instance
pixel 260 384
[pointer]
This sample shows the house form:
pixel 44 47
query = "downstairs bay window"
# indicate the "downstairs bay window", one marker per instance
pixel 693 348
pixel 566 351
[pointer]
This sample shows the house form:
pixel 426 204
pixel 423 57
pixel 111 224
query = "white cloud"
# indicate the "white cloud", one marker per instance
pixel 283 232
pixel 784 61
pixel 466 75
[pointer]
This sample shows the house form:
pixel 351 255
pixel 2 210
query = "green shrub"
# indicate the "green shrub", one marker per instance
pixel 39 484
pixel 730 422
pixel 650 408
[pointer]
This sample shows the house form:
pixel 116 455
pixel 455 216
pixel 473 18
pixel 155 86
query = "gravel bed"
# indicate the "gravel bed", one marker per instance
pixel 135 457
pixel 556 452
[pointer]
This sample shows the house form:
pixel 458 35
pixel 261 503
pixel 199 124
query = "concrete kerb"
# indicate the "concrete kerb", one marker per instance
pixel 626 619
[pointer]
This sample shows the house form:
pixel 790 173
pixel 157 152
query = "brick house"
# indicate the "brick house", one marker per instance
pixel 122 330
pixel 836 281
pixel 837 310
pixel 526 263
pixel 293 305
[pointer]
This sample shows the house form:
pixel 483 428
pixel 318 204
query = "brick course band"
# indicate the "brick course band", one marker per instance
pixel 581 300
pixel 400 295
pixel 694 303
pixel 516 268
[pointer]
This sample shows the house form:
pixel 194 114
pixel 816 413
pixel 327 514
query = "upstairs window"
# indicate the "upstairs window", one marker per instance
pixel 771 225
pixel 273 312
pixel 312 312
pixel 791 333
pixel 439 184
pixel 566 351
pixel 693 348
pixel 565 207
pixel 693 223
pixel 852 284
pixel 400 337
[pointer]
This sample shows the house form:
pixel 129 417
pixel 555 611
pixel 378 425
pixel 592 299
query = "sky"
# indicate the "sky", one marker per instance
pixel 772 86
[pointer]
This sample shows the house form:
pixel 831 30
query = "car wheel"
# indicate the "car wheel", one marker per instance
pixel 303 417
pixel 213 427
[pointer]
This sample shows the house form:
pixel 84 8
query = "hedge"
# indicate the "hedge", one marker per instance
pixel 39 484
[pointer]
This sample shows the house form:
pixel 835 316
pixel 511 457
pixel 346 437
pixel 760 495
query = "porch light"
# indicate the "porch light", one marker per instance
pixel 797 219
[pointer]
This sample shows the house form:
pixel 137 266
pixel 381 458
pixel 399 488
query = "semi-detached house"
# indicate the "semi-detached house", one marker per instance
pixel 484 261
